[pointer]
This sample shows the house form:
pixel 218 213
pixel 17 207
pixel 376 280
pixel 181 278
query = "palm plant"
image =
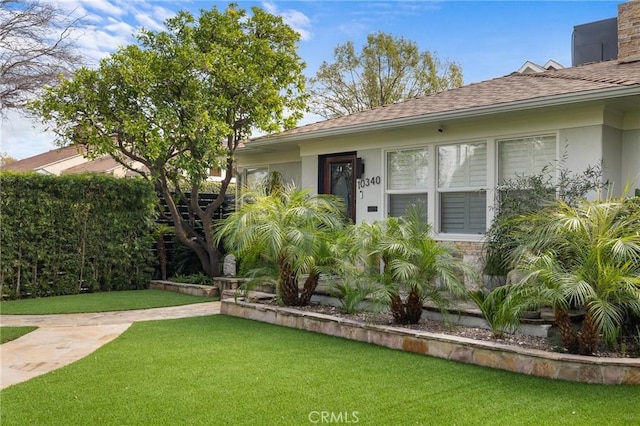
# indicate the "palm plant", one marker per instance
pixel 284 237
pixel 497 308
pixel 586 256
pixel 408 265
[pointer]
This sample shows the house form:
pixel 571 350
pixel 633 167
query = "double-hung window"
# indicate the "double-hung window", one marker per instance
pixel 407 177
pixel 462 179
pixel 525 156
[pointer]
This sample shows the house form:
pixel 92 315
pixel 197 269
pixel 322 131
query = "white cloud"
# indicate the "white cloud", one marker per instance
pixel 96 44
pixel 104 6
pixel 149 23
pixel 162 13
pixel 21 137
pixel 294 18
pixel 119 28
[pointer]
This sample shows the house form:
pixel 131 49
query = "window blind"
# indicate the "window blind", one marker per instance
pixel 525 156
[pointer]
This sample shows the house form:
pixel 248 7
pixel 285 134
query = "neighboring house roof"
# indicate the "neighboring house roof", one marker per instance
pixel 529 67
pixel 511 92
pixel 104 164
pixel 70 160
pixel 551 64
pixel 41 161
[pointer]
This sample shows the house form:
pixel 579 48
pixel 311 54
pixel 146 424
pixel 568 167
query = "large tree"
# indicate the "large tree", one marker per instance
pixel 36 47
pixel 388 69
pixel 181 101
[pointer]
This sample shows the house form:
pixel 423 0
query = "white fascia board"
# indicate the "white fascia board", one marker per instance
pixel 549 101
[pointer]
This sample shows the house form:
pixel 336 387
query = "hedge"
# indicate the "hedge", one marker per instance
pixel 70 234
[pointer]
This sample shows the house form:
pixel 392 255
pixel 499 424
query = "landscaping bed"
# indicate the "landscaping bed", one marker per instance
pixel 469 349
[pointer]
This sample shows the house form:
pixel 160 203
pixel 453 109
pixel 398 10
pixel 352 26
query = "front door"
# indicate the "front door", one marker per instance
pixel 338 178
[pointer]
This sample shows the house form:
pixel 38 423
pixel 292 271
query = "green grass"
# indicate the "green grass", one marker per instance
pixel 8 334
pixel 221 370
pixel 98 302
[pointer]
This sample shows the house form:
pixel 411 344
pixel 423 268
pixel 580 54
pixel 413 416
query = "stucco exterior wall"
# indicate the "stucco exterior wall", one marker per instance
pixel 630 169
pixel 291 172
pixel 370 197
pixel 309 172
pixel 586 135
pixel 612 158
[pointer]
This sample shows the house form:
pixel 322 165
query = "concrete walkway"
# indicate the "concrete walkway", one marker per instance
pixel 63 339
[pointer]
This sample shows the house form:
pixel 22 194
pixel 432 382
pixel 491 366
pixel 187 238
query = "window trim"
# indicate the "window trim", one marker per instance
pixel 460 189
pixel 433 191
pixel 387 192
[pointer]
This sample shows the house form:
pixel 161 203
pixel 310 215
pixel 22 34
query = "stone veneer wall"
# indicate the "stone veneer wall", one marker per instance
pixel 472 254
pixel 527 361
pixel 629 31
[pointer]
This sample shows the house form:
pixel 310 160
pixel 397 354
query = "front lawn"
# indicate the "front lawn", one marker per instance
pixel 221 370
pixel 99 302
pixel 8 334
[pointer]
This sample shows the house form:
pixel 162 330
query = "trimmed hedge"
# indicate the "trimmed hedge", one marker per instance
pixel 67 234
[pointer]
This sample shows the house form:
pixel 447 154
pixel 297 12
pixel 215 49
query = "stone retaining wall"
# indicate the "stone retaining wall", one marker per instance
pixel 192 289
pixel 527 361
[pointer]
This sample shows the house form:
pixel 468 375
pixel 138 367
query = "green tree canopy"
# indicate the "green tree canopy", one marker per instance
pixel 387 69
pixel 180 102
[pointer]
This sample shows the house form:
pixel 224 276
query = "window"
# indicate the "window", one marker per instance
pixel 407 175
pixel 254 178
pixel 462 177
pixel 525 156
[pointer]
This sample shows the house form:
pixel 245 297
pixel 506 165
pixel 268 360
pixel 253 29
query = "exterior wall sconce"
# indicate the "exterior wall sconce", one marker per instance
pixel 359 168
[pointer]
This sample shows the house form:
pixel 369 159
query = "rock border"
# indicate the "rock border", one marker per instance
pixel 184 288
pixel 575 368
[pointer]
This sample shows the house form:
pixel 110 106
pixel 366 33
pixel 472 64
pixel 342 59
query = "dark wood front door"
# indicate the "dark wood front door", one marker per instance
pixel 338 178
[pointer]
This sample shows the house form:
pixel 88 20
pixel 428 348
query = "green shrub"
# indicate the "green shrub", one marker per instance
pixel 198 278
pixel 352 295
pixel 67 234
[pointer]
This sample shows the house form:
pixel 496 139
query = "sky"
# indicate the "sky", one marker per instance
pixel 488 39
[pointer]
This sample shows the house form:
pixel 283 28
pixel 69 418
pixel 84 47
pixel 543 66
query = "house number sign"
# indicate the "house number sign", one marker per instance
pixel 363 183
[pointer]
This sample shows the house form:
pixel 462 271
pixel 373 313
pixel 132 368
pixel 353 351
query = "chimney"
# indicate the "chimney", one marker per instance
pixel 629 31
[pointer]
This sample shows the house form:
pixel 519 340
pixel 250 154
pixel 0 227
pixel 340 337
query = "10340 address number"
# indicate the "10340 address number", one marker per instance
pixel 363 183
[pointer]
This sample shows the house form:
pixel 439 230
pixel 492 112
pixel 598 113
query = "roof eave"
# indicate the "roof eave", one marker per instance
pixel 436 118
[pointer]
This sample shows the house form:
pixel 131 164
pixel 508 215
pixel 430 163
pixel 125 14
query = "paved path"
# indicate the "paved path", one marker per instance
pixel 63 339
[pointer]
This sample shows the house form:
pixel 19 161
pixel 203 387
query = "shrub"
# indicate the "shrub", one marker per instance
pixel 585 256
pixel 523 195
pixel 407 265
pixel 284 238
pixel 67 234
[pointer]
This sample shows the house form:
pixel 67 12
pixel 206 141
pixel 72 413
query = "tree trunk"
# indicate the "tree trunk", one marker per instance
pixel 413 307
pixel 408 311
pixel 161 249
pixel 310 285
pixel 566 330
pixel 204 248
pixel 589 337
pixel 398 310
pixel 288 285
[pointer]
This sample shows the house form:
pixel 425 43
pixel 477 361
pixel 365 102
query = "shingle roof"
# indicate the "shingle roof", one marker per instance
pixel 100 165
pixel 504 90
pixel 41 160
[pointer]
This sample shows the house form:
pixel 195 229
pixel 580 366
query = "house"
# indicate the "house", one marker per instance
pixel 71 160
pixel 68 160
pixel 531 67
pixel 449 150
pixel 52 162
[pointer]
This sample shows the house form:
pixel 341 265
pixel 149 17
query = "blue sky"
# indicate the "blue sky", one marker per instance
pixel 487 38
